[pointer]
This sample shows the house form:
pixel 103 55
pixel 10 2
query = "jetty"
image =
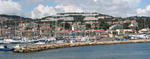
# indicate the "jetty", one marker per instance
pixel 41 47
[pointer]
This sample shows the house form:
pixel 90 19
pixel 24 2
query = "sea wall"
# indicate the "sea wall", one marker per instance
pixel 36 48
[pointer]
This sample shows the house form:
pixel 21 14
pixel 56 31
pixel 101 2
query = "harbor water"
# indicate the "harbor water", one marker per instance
pixel 116 51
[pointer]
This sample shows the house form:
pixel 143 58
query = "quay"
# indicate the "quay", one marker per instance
pixel 36 48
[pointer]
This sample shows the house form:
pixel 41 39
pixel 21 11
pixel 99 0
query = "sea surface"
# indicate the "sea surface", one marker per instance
pixel 116 51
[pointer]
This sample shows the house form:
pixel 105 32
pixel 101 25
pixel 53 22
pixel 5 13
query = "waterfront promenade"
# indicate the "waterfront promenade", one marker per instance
pixel 36 48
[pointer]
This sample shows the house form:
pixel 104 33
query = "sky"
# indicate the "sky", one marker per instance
pixel 41 8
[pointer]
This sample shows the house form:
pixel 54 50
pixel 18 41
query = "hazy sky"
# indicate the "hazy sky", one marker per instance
pixel 41 8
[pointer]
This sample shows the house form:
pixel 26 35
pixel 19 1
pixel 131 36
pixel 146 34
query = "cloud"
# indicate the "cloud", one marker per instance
pixel 144 12
pixel 32 2
pixel 69 8
pixel 148 8
pixel 133 2
pixel 119 8
pixel 41 10
pixel 9 7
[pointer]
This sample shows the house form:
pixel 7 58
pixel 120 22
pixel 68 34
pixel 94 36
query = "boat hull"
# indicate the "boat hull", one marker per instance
pixel 6 49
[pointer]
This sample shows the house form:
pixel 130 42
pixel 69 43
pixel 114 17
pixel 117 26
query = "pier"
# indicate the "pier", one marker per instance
pixel 36 48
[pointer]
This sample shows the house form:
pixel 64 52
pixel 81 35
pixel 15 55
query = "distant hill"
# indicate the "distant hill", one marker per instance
pixel 143 21
pixel 4 17
pixel 78 15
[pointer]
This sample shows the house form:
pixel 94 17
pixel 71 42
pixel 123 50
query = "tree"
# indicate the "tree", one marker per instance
pixel 126 25
pixel 67 26
pixel 88 26
pixel 78 18
pixel 104 25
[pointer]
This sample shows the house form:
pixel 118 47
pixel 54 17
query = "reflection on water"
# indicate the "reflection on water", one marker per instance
pixel 117 51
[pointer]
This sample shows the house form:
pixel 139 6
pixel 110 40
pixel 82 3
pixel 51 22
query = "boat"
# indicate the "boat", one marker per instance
pixel 5 48
pixel 1 40
pixel 40 43
pixel 10 41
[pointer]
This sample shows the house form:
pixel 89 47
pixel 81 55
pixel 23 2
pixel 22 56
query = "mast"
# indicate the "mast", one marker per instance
pixel 15 29
pixel 64 28
pixel 21 30
pixel 55 28
pixel 49 30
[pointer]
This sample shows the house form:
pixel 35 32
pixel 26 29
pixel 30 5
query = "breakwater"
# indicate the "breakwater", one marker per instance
pixel 36 48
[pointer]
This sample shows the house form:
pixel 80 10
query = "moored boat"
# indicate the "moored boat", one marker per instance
pixel 40 43
pixel 5 48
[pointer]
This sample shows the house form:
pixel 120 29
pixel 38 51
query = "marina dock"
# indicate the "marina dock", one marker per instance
pixel 36 48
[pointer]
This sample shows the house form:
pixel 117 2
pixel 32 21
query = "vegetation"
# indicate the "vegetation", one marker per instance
pixel 143 22
pixel 126 25
pixel 67 26
pixel 103 25
pixel 78 18
pixel 88 26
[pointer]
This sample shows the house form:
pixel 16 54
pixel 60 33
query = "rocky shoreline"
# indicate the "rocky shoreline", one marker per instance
pixel 36 48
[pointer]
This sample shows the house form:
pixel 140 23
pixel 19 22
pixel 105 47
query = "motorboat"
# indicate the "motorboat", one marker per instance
pixel 5 48
pixel 40 43
pixel 10 41
pixel 1 41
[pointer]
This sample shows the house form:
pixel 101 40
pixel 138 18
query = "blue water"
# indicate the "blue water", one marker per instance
pixel 117 51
